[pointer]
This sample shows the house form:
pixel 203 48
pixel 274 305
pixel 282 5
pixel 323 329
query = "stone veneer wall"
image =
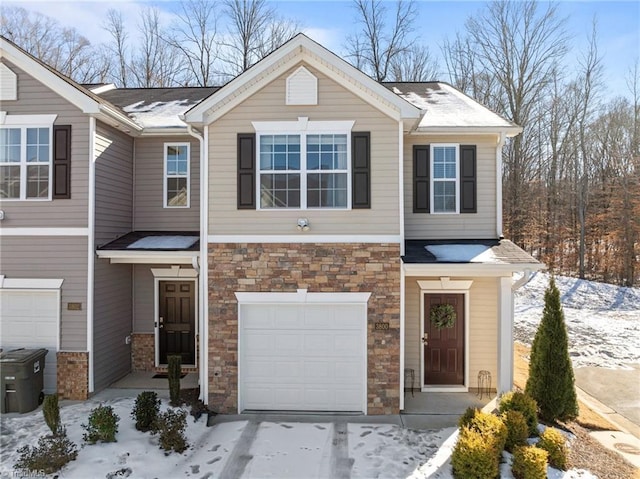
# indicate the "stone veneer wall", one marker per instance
pixel 142 352
pixel 285 267
pixel 73 375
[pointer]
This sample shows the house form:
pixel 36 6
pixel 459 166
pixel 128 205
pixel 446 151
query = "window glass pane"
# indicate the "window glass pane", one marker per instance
pixel 9 182
pixel 327 190
pixel 38 181
pixel 333 152
pixel 177 194
pixel 9 145
pixel 444 196
pixel 444 162
pixel 38 145
pixel 280 190
pixel 280 152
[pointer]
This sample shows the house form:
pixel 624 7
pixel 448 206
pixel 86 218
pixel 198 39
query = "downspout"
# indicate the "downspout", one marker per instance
pixel 501 139
pixel 91 247
pixel 526 277
pixel 402 220
pixel 202 270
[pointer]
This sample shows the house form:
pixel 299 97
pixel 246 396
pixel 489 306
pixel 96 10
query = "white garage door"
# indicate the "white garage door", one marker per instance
pixel 303 357
pixel 29 319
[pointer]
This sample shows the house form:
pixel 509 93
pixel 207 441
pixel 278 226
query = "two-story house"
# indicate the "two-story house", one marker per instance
pixel 293 234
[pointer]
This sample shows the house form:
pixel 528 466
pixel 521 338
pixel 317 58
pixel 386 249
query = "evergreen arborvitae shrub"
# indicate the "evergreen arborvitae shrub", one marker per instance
pixel 551 382
pixel 145 410
pixel 102 426
pixel 170 425
pixel 474 457
pixel 524 404
pixel 51 412
pixel 50 455
pixel 554 442
pixel 517 429
pixel 174 366
pixel 529 462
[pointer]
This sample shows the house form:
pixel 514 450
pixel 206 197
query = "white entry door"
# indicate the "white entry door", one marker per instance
pixel 29 319
pixel 303 357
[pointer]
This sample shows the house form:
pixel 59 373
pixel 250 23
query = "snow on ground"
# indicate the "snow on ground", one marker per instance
pixel 603 320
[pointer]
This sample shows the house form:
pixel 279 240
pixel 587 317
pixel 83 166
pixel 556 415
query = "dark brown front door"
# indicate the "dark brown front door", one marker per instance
pixel 444 348
pixel 177 320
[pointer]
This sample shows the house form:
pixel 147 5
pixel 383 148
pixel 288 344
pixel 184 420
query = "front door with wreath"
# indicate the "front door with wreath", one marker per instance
pixel 443 339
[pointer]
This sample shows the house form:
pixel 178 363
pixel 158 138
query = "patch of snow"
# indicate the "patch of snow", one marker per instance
pixel 159 114
pixel 462 253
pixel 603 320
pixel 507 461
pixel 164 242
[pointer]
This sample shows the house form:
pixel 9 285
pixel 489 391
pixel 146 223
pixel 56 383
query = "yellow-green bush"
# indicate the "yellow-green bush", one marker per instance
pixel 522 402
pixel 474 457
pixel 467 417
pixel 529 462
pixel 491 428
pixel 552 441
pixel 517 429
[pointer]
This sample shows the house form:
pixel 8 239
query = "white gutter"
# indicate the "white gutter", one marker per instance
pixel 526 277
pixel 500 145
pixel 91 245
pixel 203 316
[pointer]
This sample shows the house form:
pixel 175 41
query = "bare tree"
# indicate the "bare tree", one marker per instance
pixel 414 64
pixel 377 45
pixel 114 24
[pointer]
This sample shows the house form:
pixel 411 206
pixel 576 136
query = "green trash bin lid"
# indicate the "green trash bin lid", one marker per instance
pixel 22 355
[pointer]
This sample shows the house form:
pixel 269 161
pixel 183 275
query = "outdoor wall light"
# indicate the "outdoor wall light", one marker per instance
pixel 303 224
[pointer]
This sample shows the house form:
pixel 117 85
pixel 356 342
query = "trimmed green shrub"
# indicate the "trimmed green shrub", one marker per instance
pixel 170 425
pixel 551 382
pixel 554 442
pixel 145 410
pixel 51 412
pixel 492 429
pixel 102 426
pixel 474 457
pixel 523 403
pixel 529 462
pixel 174 366
pixel 467 417
pixel 50 455
pixel 517 429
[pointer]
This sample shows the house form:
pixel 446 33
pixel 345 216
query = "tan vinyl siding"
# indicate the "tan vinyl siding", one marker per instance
pixel 34 98
pixel 335 103
pixel 149 213
pixel 483 327
pixel 480 225
pixel 57 257
pixel 144 298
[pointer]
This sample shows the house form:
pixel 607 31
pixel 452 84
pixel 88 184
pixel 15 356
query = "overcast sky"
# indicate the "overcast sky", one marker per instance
pixel 329 22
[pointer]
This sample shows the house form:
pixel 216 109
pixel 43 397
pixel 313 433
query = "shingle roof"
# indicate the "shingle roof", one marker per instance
pixel 165 241
pixel 466 251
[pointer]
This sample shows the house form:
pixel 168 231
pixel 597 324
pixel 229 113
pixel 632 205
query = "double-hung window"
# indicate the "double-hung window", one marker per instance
pixel 304 169
pixel 25 162
pixel 444 178
pixel 176 175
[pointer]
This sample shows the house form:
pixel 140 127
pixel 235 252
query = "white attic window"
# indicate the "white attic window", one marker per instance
pixel 8 83
pixel 302 88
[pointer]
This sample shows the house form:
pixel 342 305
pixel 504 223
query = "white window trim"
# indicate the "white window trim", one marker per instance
pixel 303 127
pixel 23 122
pixel 432 180
pixel 165 176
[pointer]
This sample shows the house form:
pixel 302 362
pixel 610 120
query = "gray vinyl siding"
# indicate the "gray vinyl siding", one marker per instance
pixel 144 297
pixel 335 104
pixel 149 213
pixel 34 98
pixel 113 305
pixel 54 257
pixel 480 225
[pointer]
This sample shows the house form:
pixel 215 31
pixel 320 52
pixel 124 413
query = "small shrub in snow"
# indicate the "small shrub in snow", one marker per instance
pixel 170 425
pixel 50 455
pixel 523 403
pixel 529 462
pixel 145 410
pixel 554 442
pixel 51 412
pixel 174 367
pixel 467 417
pixel 517 429
pixel 474 457
pixel 492 429
pixel 102 426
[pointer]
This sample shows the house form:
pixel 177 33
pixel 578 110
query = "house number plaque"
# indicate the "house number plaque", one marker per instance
pixel 381 326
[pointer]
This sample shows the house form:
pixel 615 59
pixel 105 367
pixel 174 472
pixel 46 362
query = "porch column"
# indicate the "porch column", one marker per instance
pixel 505 336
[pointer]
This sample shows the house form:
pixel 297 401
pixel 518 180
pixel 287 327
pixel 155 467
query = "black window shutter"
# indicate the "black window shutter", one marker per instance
pixel 246 171
pixel 61 162
pixel 421 178
pixel 361 169
pixel 468 181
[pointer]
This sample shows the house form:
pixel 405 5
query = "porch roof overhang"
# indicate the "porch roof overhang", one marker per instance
pixel 153 247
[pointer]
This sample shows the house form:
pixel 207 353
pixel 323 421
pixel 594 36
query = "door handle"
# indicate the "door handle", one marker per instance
pixel 425 337
pixel 161 320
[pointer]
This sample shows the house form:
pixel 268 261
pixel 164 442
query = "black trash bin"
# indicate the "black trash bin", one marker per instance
pixel 22 379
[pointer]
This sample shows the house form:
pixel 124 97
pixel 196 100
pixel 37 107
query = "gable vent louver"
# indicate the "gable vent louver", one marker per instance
pixel 8 83
pixel 302 88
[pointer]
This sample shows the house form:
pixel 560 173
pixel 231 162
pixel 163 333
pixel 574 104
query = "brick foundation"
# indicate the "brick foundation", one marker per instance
pixel 284 267
pixel 73 375
pixel 142 352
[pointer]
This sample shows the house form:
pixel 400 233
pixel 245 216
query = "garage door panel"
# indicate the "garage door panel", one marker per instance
pixel 288 343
